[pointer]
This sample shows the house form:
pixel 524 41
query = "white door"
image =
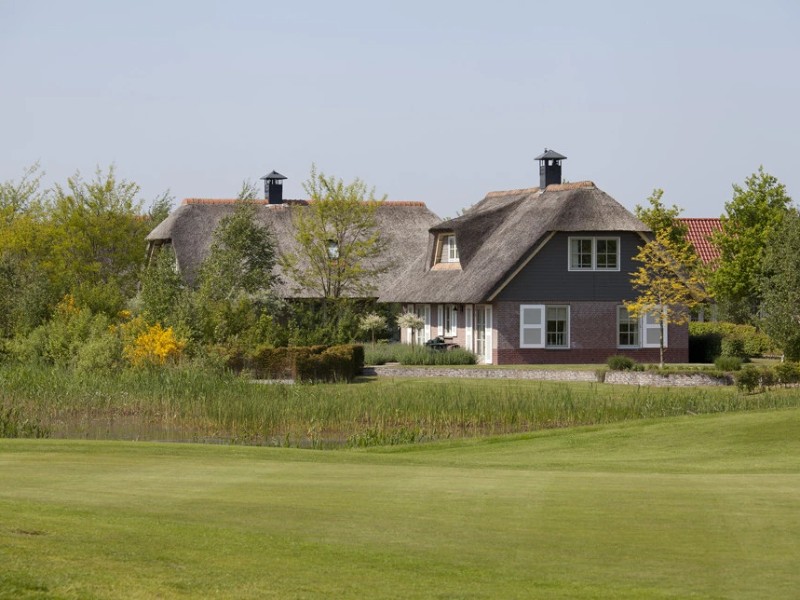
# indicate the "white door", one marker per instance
pixel 483 333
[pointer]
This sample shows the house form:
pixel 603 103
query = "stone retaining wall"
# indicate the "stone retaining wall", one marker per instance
pixel 618 377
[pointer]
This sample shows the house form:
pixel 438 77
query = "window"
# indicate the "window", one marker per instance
pixel 543 326
pixel 607 253
pixel 448 251
pixel 557 326
pixel 581 254
pixel 333 249
pixel 594 254
pixel 642 332
pixel 627 329
pixel 450 320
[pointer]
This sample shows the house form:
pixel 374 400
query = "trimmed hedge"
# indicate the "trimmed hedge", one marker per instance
pixel 309 363
pixel 707 341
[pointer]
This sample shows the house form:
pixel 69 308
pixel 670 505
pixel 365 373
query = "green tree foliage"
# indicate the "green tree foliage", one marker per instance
pixel 241 258
pixel 162 288
pixel 339 245
pixel 234 303
pixel 97 234
pixel 26 291
pixel 660 218
pixel 753 213
pixel 666 283
pixel 780 285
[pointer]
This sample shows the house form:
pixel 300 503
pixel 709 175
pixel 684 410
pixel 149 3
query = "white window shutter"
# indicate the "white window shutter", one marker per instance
pixel 532 326
pixel 650 331
pixel 440 319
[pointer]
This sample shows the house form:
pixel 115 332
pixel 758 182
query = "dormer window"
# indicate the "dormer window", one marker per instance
pixel 448 251
pixel 333 249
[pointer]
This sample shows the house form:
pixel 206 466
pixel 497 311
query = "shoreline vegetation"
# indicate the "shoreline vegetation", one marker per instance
pixel 191 405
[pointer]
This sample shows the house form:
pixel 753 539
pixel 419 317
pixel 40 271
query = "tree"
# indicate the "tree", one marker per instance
pixel 372 322
pixel 162 288
pixel 412 321
pixel 339 244
pixel 667 284
pixel 96 231
pixel 780 285
pixel 660 218
pixel 753 213
pixel 241 258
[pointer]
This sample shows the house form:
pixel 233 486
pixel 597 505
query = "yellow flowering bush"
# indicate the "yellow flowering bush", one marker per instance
pixel 153 347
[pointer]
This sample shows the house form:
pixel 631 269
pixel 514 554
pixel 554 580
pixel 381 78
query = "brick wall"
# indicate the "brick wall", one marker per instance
pixel 593 337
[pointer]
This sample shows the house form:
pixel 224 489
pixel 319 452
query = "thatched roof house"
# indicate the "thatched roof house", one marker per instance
pixel 500 234
pixel 190 228
pixel 536 275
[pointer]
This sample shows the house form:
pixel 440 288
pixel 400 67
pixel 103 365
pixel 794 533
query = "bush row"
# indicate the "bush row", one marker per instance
pixel 306 363
pixel 406 354
pixel 707 341
pixel 750 378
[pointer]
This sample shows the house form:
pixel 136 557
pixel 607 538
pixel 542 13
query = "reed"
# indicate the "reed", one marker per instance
pixel 191 405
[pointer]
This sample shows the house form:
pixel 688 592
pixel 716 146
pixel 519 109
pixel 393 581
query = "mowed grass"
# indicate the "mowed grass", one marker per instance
pixel 695 506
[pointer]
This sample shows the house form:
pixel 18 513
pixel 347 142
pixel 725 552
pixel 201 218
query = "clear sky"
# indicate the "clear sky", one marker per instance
pixel 433 101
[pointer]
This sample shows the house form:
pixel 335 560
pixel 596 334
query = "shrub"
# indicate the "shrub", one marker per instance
pixel 101 353
pixel 748 378
pixel 620 363
pixel 421 355
pixel 706 341
pixel 787 372
pixel 728 363
pixel 733 347
pixel 768 376
pixel 154 347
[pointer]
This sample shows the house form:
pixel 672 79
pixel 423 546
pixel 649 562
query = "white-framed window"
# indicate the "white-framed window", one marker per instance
pixel 644 332
pixel 448 251
pixel 450 318
pixel 557 327
pixel 627 329
pixel 594 254
pixel 543 326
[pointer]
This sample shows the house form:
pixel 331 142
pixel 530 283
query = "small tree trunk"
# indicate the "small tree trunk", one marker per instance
pixel 661 341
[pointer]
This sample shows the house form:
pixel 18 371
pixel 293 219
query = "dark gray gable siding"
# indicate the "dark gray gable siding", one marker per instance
pixel 547 277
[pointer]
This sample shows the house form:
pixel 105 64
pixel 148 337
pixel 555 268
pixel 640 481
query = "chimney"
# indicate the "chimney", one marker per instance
pixel 273 187
pixel 549 168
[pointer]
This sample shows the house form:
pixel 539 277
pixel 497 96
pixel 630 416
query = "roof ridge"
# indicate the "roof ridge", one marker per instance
pixel 510 192
pixel 562 187
pixel 262 202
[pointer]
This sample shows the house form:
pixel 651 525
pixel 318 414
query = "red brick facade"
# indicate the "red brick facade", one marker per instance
pixel 593 336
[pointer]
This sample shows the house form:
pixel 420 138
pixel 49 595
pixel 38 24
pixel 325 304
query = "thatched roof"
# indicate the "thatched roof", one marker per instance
pixel 191 226
pixel 499 233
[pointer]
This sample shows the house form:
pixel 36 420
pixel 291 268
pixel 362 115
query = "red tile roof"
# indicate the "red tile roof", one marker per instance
pixel 698 234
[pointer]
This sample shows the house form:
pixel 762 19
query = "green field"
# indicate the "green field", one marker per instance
pixel 695 506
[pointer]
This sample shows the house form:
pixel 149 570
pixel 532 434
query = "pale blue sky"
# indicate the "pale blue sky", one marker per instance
pixel 433 101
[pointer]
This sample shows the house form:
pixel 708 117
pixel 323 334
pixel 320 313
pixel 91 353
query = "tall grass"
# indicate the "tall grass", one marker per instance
pixel 193 405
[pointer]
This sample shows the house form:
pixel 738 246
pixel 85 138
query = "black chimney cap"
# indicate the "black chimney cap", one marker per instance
pixel 274 175
pixel 550 154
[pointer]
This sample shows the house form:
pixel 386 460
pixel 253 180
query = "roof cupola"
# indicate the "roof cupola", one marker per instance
pixel 549 168
pixel 273 187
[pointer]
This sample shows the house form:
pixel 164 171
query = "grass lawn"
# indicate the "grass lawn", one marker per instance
pixel 704 506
